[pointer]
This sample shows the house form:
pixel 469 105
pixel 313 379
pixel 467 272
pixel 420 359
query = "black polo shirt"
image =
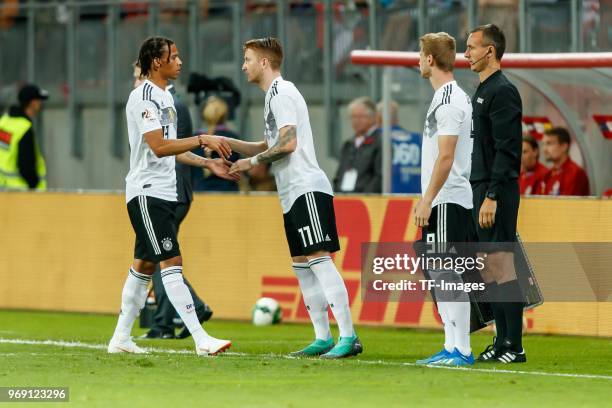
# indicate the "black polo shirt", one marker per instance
pixel 497 132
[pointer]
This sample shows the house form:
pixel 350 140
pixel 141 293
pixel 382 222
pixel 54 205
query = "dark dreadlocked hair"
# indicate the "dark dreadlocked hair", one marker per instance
pixel 151 48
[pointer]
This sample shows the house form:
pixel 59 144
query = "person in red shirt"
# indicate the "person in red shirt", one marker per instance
pixel 532 171
pixel 565 178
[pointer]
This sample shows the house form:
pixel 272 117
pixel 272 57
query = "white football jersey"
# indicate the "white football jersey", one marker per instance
pixel 450 114
pixel 299 172
pixel 149 108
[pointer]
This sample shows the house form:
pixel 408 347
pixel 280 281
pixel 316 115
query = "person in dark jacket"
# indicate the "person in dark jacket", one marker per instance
pixel 360 168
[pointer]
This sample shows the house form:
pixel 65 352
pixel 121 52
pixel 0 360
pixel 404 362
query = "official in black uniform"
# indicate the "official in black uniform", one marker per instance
pixel 496 164
pixel 163 320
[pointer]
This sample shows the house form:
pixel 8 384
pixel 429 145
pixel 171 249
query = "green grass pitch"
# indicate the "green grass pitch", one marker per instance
pixel 561 371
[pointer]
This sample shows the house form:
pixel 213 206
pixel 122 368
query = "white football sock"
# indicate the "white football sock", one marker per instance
pixel 449 333
pixel 459 314
pixel 133 299
pixel 181 299
pixel 443 310
pixel 314 299
pixel 335 292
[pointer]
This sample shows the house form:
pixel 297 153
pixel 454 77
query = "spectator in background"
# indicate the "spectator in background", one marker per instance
pixel 406 153
pixel 215 114
pixel 393 108
pixel 22 165
pixel 532 171
pixel 360 169
pixel 565 178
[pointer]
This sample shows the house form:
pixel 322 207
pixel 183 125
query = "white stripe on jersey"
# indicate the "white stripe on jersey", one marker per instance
pixel 316 211
pixel 318 228
pixel 444 228
pixel 445 221
pixel 441 228
pixel 439 225
pixel 144 211
pixel 313 218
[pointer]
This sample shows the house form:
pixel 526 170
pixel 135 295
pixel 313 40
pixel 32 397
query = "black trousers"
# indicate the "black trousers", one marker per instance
pixel 165 313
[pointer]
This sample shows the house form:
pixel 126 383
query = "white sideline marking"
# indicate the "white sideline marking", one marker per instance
pixel 78 344
pixel 494 370
pixel 53 343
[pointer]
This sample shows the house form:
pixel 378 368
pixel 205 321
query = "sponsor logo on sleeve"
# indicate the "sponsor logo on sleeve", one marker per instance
pixel 148 115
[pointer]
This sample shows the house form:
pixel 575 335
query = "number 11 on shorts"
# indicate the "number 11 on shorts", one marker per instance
pixel 307 230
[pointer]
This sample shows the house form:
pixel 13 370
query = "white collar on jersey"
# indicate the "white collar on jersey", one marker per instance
pixel 275 80
pixel 154 85
pixel 444 85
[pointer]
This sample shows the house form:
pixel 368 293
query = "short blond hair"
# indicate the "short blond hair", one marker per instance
pixel 268 47
pixel 441 46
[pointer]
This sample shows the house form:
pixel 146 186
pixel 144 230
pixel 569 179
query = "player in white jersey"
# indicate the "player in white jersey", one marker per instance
pixel 444 209
pixel 151 195
pixel 306 198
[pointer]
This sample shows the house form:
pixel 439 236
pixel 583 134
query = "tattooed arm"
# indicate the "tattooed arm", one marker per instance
pixel 287 143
